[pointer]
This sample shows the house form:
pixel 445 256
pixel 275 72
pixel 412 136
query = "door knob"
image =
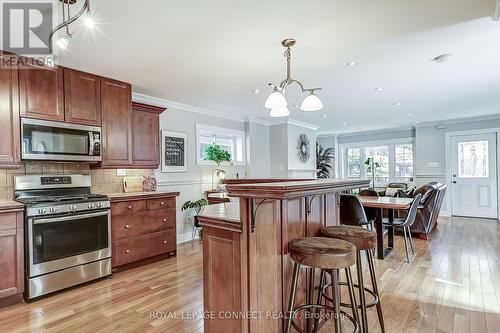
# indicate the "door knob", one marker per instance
pixel 162 203
pixel 164 242
pixel 127 226
pixel 127 252
pixel 164 220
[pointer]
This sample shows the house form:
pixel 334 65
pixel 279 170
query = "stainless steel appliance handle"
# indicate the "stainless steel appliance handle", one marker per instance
pixel 91 143
pixel 71 217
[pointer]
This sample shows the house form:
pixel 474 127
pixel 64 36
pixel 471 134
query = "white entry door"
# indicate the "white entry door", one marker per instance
pixel 474 175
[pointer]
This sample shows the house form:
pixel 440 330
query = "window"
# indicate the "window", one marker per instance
pixel 353 163
pixel 380 156
pixel 473 159
pixel 394 159
pixel 404 162
pixel 230 140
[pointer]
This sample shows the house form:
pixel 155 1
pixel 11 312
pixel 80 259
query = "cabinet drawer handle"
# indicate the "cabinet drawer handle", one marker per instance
pixel 127 226
pixel 129 207
pixel 164 220
pixel 164 242
pixel 127 252
pixel 162 203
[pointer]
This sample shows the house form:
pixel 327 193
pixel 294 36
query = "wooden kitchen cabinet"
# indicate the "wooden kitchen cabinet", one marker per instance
pixel 41 92
pixel 146 135
pixel 82 98
pixel 143 227
pixel 11 253
pixel 10 151
pixel 116 108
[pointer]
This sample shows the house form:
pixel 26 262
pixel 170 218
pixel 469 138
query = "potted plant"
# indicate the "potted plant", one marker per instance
pixel 215 153
pixel 324 159
pixel 196 207
pixel 371 167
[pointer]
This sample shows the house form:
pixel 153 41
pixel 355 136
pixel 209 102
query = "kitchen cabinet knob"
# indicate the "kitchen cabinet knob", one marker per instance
pixel 164 220
pixel 127 252
pixel 164 242
pixel 129 207
pixel 127 226
pixel 162 203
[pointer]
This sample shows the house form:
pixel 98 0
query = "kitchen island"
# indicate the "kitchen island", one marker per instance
pixel 246 267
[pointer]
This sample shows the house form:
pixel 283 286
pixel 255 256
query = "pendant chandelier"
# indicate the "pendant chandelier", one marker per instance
pixel 277 101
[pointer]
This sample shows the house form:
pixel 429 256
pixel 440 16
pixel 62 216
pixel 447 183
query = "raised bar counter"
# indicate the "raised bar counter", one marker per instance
pixel 246 266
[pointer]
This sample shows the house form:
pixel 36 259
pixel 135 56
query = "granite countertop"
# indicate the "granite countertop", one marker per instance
pixel 139 195
pixel 10 204
pixel 229 211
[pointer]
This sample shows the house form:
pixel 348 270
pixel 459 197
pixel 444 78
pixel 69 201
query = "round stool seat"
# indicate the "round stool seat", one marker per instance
pixel 321 252
pixel 362 238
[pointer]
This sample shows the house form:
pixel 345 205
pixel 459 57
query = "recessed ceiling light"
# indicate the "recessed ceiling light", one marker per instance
pixel 296 106
pixel 256 91
pixel 345 123
pixel 379 89
pixel 352 63
pixel 442 58
pixel 416 121
pixel 396 104
pixel 324 116
pixel 409 115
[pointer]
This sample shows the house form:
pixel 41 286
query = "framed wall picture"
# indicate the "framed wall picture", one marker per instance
pixel 173 152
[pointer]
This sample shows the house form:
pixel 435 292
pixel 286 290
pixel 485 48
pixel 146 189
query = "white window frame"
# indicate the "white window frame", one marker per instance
pixel 238 141
pixel 392 157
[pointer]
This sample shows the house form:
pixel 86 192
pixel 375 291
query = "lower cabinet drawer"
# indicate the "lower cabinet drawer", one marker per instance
pixel 125 226
pixel 141 247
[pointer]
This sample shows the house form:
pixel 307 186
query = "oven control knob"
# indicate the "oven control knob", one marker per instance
pixel 52 209
pixel 72 207
pixel 42 210
pixel 91 205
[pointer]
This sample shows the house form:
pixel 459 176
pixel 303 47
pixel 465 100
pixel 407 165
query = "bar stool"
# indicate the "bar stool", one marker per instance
pixel 326 254
pixel 364 240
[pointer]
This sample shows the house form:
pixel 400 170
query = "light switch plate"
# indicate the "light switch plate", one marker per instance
pixel 121 172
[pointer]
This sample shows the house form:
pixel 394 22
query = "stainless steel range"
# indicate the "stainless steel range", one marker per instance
pixel 68 232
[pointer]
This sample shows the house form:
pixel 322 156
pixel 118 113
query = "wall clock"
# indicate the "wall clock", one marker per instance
pixel 303 148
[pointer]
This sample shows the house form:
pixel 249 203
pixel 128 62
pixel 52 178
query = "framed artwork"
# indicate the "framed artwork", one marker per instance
pixel 173 152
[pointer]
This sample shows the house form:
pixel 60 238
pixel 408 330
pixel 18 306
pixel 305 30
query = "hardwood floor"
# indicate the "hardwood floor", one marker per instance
pixel 452 285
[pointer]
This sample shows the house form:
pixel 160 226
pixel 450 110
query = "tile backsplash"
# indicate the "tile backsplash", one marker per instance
pixel 103 181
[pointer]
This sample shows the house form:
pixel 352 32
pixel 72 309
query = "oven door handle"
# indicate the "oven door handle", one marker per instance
pixel 68 218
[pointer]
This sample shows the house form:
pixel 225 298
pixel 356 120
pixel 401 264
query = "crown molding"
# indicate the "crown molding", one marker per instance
pixel 294 122
pixel 340 135
pixel 258 121
pixel 456 120
pixel 137 97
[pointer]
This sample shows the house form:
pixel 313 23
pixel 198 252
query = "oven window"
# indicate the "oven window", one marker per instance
pixel 52 140
pixel 57 240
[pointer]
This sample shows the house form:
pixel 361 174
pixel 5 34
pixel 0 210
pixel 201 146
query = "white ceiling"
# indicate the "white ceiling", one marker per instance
pixel 211 54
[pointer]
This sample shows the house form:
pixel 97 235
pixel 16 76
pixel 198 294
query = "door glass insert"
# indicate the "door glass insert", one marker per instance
pixel 473 159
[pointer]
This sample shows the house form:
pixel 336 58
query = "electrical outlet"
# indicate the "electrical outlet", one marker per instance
pixel 121 172
pixel 190 220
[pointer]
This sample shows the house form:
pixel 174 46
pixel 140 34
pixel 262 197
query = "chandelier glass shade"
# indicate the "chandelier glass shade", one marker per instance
pixel 277 101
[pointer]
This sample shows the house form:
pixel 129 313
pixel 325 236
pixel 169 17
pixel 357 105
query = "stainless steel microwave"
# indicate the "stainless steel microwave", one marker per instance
pixel 56 141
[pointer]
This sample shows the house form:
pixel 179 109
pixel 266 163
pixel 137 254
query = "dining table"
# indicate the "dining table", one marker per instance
pixel 391 204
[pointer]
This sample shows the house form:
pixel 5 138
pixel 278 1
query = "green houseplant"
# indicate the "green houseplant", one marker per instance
pixel 217 154
pixel 196 205
pixel 324 158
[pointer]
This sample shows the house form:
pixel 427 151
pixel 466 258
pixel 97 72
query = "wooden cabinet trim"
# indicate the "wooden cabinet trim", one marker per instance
pixel 10 156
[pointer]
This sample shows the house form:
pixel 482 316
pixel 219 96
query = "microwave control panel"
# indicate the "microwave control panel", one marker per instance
pixel 97 143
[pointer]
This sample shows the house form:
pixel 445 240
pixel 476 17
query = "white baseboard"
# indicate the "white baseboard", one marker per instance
pixel 186 237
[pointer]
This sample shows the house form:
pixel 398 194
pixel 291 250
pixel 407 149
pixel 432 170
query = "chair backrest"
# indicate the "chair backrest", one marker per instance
pixel 403 186
pixel 412 211
pixel 368 192
pixel 351 210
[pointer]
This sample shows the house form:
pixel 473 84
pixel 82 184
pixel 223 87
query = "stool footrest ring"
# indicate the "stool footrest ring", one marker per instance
pixel 291 316
pixel 368 305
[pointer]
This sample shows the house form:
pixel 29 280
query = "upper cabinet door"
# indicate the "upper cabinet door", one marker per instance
pixel 41 93
pixel 116 108
pixel 145 135
pixel 9 118
pixel 82 98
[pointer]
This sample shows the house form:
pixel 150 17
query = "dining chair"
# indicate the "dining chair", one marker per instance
pixel 406 223
pixel 352 211
pixel 371 213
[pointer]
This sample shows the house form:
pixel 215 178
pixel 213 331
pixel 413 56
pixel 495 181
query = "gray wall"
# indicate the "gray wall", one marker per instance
pixel 293 133
pixel 258 150
pixel 278 150
pixel 376 136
